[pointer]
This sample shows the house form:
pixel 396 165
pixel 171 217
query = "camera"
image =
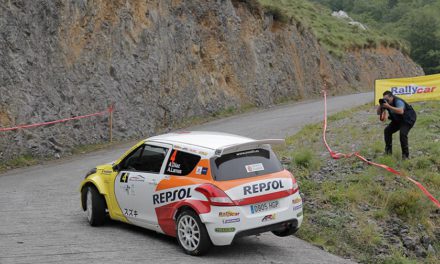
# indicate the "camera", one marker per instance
pixel 382 101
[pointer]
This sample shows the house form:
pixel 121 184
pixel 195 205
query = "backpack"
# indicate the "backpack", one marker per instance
pixel 409 115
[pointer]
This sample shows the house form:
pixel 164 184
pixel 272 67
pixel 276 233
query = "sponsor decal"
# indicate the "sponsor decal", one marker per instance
pixel 231 220
pixel 254 167
pixel 129 189
pixel 137 178
pixel 130 212
pixel 192 150
pixel 263 187
pixel 412 89
pixel 269 218
pixel 203 153
pixel 248 152
pixel 296 200
pixel 201 170
pixel 174 168
pixel 171 196
pixel 124 177
pixel 185 149
pixel 224 229
pixel 297 207
pixel 228 214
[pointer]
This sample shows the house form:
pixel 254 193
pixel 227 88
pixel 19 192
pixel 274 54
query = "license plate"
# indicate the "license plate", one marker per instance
pixel 266 206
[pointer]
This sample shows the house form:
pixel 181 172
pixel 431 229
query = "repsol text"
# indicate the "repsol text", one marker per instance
pixel 263 187
pixel 171 196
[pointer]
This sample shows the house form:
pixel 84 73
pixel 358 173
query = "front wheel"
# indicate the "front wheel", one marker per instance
pixel 192 235
pixel 95 206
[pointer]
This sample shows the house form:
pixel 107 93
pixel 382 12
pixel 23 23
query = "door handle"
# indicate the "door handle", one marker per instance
pixel 153 181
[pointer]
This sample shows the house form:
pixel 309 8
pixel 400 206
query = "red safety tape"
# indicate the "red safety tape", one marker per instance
pixel 109 110
pixel 337 155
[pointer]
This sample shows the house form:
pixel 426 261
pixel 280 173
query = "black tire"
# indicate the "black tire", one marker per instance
pixel 285 232
pixel 96 213
pixel 204 241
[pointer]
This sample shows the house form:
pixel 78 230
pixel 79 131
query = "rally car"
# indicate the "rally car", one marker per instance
pixel 204 188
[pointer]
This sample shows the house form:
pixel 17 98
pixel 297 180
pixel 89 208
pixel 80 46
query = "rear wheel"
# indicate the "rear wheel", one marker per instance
pixel 95 206
pixel 192 235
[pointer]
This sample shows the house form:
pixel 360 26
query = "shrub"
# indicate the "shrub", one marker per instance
pixel 304 159
pixel 405 204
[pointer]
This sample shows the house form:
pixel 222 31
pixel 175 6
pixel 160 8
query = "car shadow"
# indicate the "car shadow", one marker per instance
pixel 243 246
pixel 136 230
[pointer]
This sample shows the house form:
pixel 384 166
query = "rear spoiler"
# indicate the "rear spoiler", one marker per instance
pixel 248 145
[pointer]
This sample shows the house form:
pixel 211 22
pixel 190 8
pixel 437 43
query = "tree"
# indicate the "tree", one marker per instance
pixel 421 29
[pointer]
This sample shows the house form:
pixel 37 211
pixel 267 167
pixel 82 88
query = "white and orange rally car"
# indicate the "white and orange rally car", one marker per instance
pixel 204 188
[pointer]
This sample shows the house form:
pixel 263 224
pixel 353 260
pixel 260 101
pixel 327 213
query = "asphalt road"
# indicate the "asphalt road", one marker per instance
pixel 41 220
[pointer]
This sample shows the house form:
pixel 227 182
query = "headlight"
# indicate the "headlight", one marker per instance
pixel 92 171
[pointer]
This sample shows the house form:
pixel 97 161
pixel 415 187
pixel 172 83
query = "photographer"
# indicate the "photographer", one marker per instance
pixel 402 117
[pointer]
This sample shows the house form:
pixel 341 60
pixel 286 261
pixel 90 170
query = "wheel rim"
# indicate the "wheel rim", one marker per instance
pixel 89 207
pixel 188 233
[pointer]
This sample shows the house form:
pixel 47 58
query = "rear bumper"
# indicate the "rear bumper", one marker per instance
pixel 224 224
pixel 293 223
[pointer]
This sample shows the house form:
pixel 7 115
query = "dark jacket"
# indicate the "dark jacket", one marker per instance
pixel 409 115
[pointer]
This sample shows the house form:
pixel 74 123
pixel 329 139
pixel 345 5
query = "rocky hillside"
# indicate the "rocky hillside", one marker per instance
pixel 159 62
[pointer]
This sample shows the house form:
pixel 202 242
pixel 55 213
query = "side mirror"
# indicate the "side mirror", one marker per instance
pixel 115 167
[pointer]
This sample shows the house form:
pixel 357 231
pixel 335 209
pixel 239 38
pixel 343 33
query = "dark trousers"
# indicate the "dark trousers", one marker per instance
pixel 392 128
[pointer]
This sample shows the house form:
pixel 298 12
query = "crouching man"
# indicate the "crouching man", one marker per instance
pixel 403 118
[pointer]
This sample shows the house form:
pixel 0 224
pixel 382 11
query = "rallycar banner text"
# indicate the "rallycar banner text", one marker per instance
pixel 414 89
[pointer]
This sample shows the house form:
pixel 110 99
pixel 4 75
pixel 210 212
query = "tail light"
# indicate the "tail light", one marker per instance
pixel 215 195
pixel 295 186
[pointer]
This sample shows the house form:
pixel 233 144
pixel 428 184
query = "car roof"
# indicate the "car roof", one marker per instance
pixel 205 139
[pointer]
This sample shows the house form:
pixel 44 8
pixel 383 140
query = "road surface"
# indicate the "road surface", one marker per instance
pixel 41 220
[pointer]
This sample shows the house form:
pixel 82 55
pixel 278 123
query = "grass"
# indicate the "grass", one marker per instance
pixel 349 205
pixel 335 35
pixel 21 161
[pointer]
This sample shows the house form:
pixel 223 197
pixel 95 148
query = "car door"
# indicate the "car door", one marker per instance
pixel 139 174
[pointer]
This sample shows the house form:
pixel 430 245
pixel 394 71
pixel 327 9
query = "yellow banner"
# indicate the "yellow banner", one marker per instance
pixel 414 89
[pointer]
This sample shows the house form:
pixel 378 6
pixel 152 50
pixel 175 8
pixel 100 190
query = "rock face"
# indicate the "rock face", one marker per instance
pixel 159 62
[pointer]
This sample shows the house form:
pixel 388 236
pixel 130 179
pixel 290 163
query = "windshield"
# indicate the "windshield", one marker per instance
pixel 245 164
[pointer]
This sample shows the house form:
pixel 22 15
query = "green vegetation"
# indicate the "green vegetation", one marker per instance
pixel 334 34
pixel 411 26
pixel 22 161
pixel 364 212
pixel 418 22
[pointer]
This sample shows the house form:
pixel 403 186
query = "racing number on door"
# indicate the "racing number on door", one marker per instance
pixel 124 177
